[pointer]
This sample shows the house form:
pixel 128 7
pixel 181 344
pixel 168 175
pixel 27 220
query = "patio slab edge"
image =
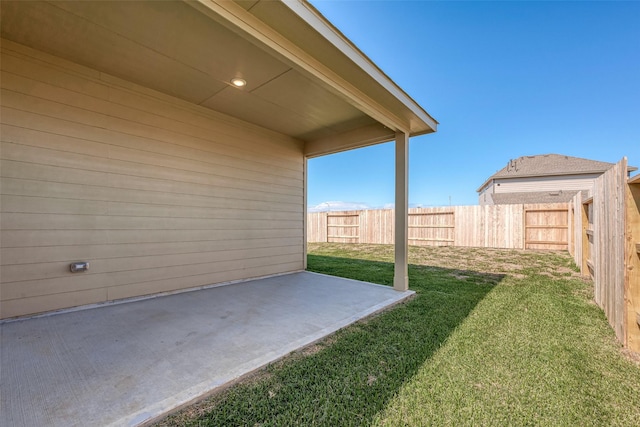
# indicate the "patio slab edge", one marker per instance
pixel 208 388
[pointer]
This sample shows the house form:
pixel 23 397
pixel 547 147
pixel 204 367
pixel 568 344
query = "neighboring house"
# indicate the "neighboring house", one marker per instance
pixel 165 143
pixel 546 178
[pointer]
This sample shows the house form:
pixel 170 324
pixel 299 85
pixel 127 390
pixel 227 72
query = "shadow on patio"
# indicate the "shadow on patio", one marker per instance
pixel 349 378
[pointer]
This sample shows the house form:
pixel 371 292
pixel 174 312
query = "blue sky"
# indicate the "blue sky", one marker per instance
pixel 504 79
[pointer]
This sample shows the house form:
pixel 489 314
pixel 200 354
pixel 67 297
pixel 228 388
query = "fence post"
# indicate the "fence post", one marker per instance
pixel 587 237
pixel 326 221
pixel 632 258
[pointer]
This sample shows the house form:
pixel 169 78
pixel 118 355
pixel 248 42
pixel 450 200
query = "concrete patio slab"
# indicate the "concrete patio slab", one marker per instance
pixel 127 364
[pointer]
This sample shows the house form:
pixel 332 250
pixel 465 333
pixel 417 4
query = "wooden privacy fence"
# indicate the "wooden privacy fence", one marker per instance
pixel 606 246
pixel 529 226
pixel 601 231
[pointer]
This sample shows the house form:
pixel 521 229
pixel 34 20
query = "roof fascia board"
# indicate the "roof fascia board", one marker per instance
pixel 484 185
pixel 243 22
pixel 312 17
pixel 546 175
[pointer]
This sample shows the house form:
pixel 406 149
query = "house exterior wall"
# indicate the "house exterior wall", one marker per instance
pixel 484 198
pixel 157 194
pixel 537 184
pixel 547 183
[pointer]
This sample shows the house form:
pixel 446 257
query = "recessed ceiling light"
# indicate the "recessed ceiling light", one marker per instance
pixel 238 82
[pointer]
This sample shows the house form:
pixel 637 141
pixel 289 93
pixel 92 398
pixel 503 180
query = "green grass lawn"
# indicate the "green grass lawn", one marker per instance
pixel 492 337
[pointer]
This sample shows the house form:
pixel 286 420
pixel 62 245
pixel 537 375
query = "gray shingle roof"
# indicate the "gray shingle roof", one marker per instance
pixel 547 165
pixel 550 164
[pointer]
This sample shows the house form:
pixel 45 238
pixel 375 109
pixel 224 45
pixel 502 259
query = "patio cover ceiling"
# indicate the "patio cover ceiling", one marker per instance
pixel 303 77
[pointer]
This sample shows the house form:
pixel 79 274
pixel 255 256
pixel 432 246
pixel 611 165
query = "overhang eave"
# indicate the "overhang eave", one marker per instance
pixel 365 87
pixel 304 78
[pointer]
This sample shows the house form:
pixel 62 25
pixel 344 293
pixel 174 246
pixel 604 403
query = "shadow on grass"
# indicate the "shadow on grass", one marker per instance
pixel 350 377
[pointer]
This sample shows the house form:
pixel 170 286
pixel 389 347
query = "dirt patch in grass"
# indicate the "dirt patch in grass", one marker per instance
pixel 495 261
pixel 632 356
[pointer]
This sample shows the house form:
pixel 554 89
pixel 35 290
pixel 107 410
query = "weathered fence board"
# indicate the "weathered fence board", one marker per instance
pixel 343 227
pixel 498 226
pixel 575 227
pixel 431 227
pixel 546 228
pixel 317 227
pixel 377 226
pixel 608 244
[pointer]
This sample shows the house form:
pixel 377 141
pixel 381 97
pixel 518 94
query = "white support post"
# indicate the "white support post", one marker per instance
pixel 305 214
pixel 401 271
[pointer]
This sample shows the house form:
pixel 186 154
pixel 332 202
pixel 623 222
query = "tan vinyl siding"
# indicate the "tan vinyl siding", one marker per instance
pixel 549 183
pixel 157 194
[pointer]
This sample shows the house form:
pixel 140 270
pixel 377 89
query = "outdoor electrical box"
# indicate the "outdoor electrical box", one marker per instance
pixel 77 267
